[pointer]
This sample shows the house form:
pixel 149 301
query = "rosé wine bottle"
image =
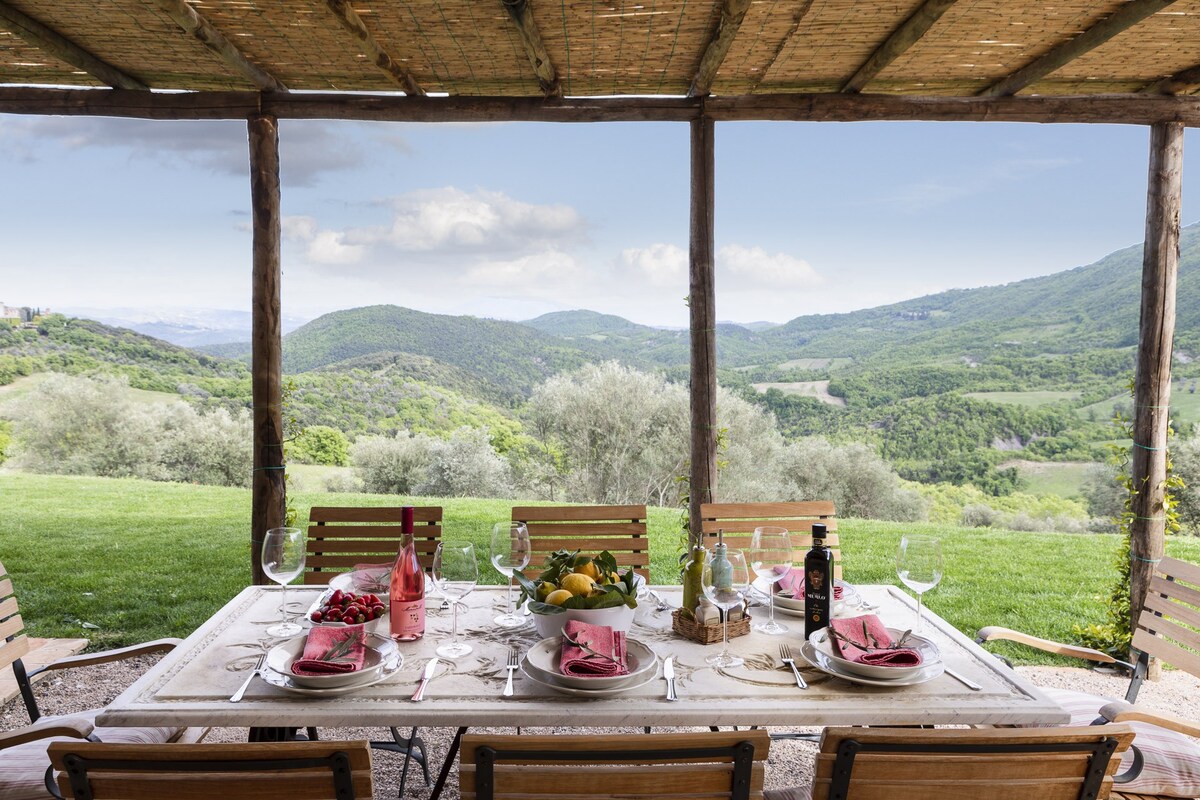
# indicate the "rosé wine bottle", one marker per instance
pixel 407 592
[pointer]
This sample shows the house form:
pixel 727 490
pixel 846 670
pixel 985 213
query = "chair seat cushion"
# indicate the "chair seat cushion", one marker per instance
pixel 1172 760
pixel 23 776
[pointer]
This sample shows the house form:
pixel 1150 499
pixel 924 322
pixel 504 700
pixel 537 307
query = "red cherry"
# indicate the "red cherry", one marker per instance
pixel 317 616
pixel 350 619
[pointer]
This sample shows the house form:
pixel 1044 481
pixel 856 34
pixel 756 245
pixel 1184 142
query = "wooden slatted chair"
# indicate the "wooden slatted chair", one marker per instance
pixel 341 537
pixel 693 765
pixel 23 757
pixel 1167 630
pixel 281 770
pixel 621 530
pixel 997 764
pixel 738 521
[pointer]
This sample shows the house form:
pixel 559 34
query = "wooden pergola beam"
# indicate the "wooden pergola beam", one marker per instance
pixel 797 17
pixel 521 13
pixel 1131 109
pixel 192 23
pixel 380 57
pixel 45 38
pixel 902 38
pixel 268 489
pixel 732 14
pixel 1183 82
pixel 1057 57
pixel 1152 379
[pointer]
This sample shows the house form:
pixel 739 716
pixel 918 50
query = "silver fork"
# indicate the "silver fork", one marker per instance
pixel 785 655
pixel 511 666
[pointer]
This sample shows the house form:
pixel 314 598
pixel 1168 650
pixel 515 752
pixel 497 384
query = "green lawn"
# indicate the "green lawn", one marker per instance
pixel 1058 478
pixel 1032 399
pixel 142 560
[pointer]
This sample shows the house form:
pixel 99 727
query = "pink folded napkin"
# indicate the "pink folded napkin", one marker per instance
pixel 865 640
pixel 604 645
pixel 329 651
pixel 793 583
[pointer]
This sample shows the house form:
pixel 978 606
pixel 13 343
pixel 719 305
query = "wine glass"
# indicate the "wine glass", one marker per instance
pixel 771 559
pixel 510 552
pixel 919 566
pixel 282 562
pixel 725 585
pixel 455 574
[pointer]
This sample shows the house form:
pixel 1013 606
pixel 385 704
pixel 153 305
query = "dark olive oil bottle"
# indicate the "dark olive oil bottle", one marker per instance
pixel 818 582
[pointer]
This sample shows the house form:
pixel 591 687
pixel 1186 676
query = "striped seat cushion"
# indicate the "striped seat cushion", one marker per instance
pixel 1172 760
pixel 23 774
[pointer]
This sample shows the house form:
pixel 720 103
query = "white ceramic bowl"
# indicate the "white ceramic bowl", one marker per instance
pixel 378 650
pixel 542 660
pixel 380 626
pixel 619 618
pixel 821 641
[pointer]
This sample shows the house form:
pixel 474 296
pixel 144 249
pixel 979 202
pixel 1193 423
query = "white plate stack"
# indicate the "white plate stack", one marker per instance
pixel 540 665
pixel 819 651
pixel 381 660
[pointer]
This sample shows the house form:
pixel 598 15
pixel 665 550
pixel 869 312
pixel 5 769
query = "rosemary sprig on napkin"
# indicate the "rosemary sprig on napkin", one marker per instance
pixel 340 651
pixel 587 650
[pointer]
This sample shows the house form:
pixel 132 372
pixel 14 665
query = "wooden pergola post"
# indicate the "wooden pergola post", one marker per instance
pixel 1152 383
pixel 703 324
pixel 268 490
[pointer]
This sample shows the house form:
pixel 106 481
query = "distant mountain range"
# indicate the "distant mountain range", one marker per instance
pixel 187 327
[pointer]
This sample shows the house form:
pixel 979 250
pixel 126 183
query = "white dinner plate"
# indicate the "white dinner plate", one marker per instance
pixel 543 659
pixel 378 651
pixel 285 682
pixel 850 596
pixel 824 664
pixel 552 683
pixel 823 643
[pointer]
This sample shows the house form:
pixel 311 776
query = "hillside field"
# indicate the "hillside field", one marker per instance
pixel 141 560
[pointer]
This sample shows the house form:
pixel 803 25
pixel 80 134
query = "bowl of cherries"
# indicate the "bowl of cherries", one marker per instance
pixel 337 607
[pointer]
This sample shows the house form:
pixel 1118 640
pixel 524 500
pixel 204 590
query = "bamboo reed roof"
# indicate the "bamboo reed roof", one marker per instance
pixel 599 48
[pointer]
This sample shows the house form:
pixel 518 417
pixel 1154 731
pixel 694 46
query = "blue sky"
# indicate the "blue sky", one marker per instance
pixel 511 221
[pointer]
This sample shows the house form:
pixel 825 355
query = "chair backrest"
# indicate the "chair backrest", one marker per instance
pixel 1172 602
pixel 738 521
pixel 13 642
pixel 340 537
pixel 284 770
pixel 621 530
pixel 726 764
pixel 984 764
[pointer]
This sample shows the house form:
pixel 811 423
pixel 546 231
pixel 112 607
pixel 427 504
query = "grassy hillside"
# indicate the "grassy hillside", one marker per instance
pixel 140 560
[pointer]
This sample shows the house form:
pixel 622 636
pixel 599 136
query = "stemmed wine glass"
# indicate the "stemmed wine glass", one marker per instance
pixel 919 566
pixel 282 562
pixel 455 574
pixel 510 552
pixel 771 559
pixel 725 586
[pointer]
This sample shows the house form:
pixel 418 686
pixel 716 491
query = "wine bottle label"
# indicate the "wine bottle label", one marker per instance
pixel 408 619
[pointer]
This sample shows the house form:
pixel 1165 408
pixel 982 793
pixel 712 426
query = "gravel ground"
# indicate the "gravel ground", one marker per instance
pixel 89 687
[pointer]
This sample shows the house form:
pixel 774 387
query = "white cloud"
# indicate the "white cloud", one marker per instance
pixel 660 264
pixel 753 267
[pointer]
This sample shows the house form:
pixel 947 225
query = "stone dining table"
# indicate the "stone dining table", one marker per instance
pixel 192 684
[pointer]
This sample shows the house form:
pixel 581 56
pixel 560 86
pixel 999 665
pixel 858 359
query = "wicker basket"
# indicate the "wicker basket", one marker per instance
pixel 707 634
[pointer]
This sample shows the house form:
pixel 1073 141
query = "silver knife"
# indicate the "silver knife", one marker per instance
pixel 237 696
pixel 430 668
pixel 669 674
pixel 964 680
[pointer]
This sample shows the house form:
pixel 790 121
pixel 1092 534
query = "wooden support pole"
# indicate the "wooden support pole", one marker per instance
pixel 268 490
pixel 703 324
pixel 1152 383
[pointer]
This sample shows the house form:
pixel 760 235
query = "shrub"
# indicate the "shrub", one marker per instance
pixel 853 476
pixel 1103 492
pixel 978 515
pixel 343 483
pixel 321 444
pixel 392 465
pixel 83 426
pixel 466 465
pixel 1185 462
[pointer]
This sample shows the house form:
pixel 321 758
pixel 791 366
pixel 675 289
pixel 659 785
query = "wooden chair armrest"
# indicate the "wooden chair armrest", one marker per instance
pixel 90 659
pixel 75 727
pixel 993 632
pixel 1120 711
